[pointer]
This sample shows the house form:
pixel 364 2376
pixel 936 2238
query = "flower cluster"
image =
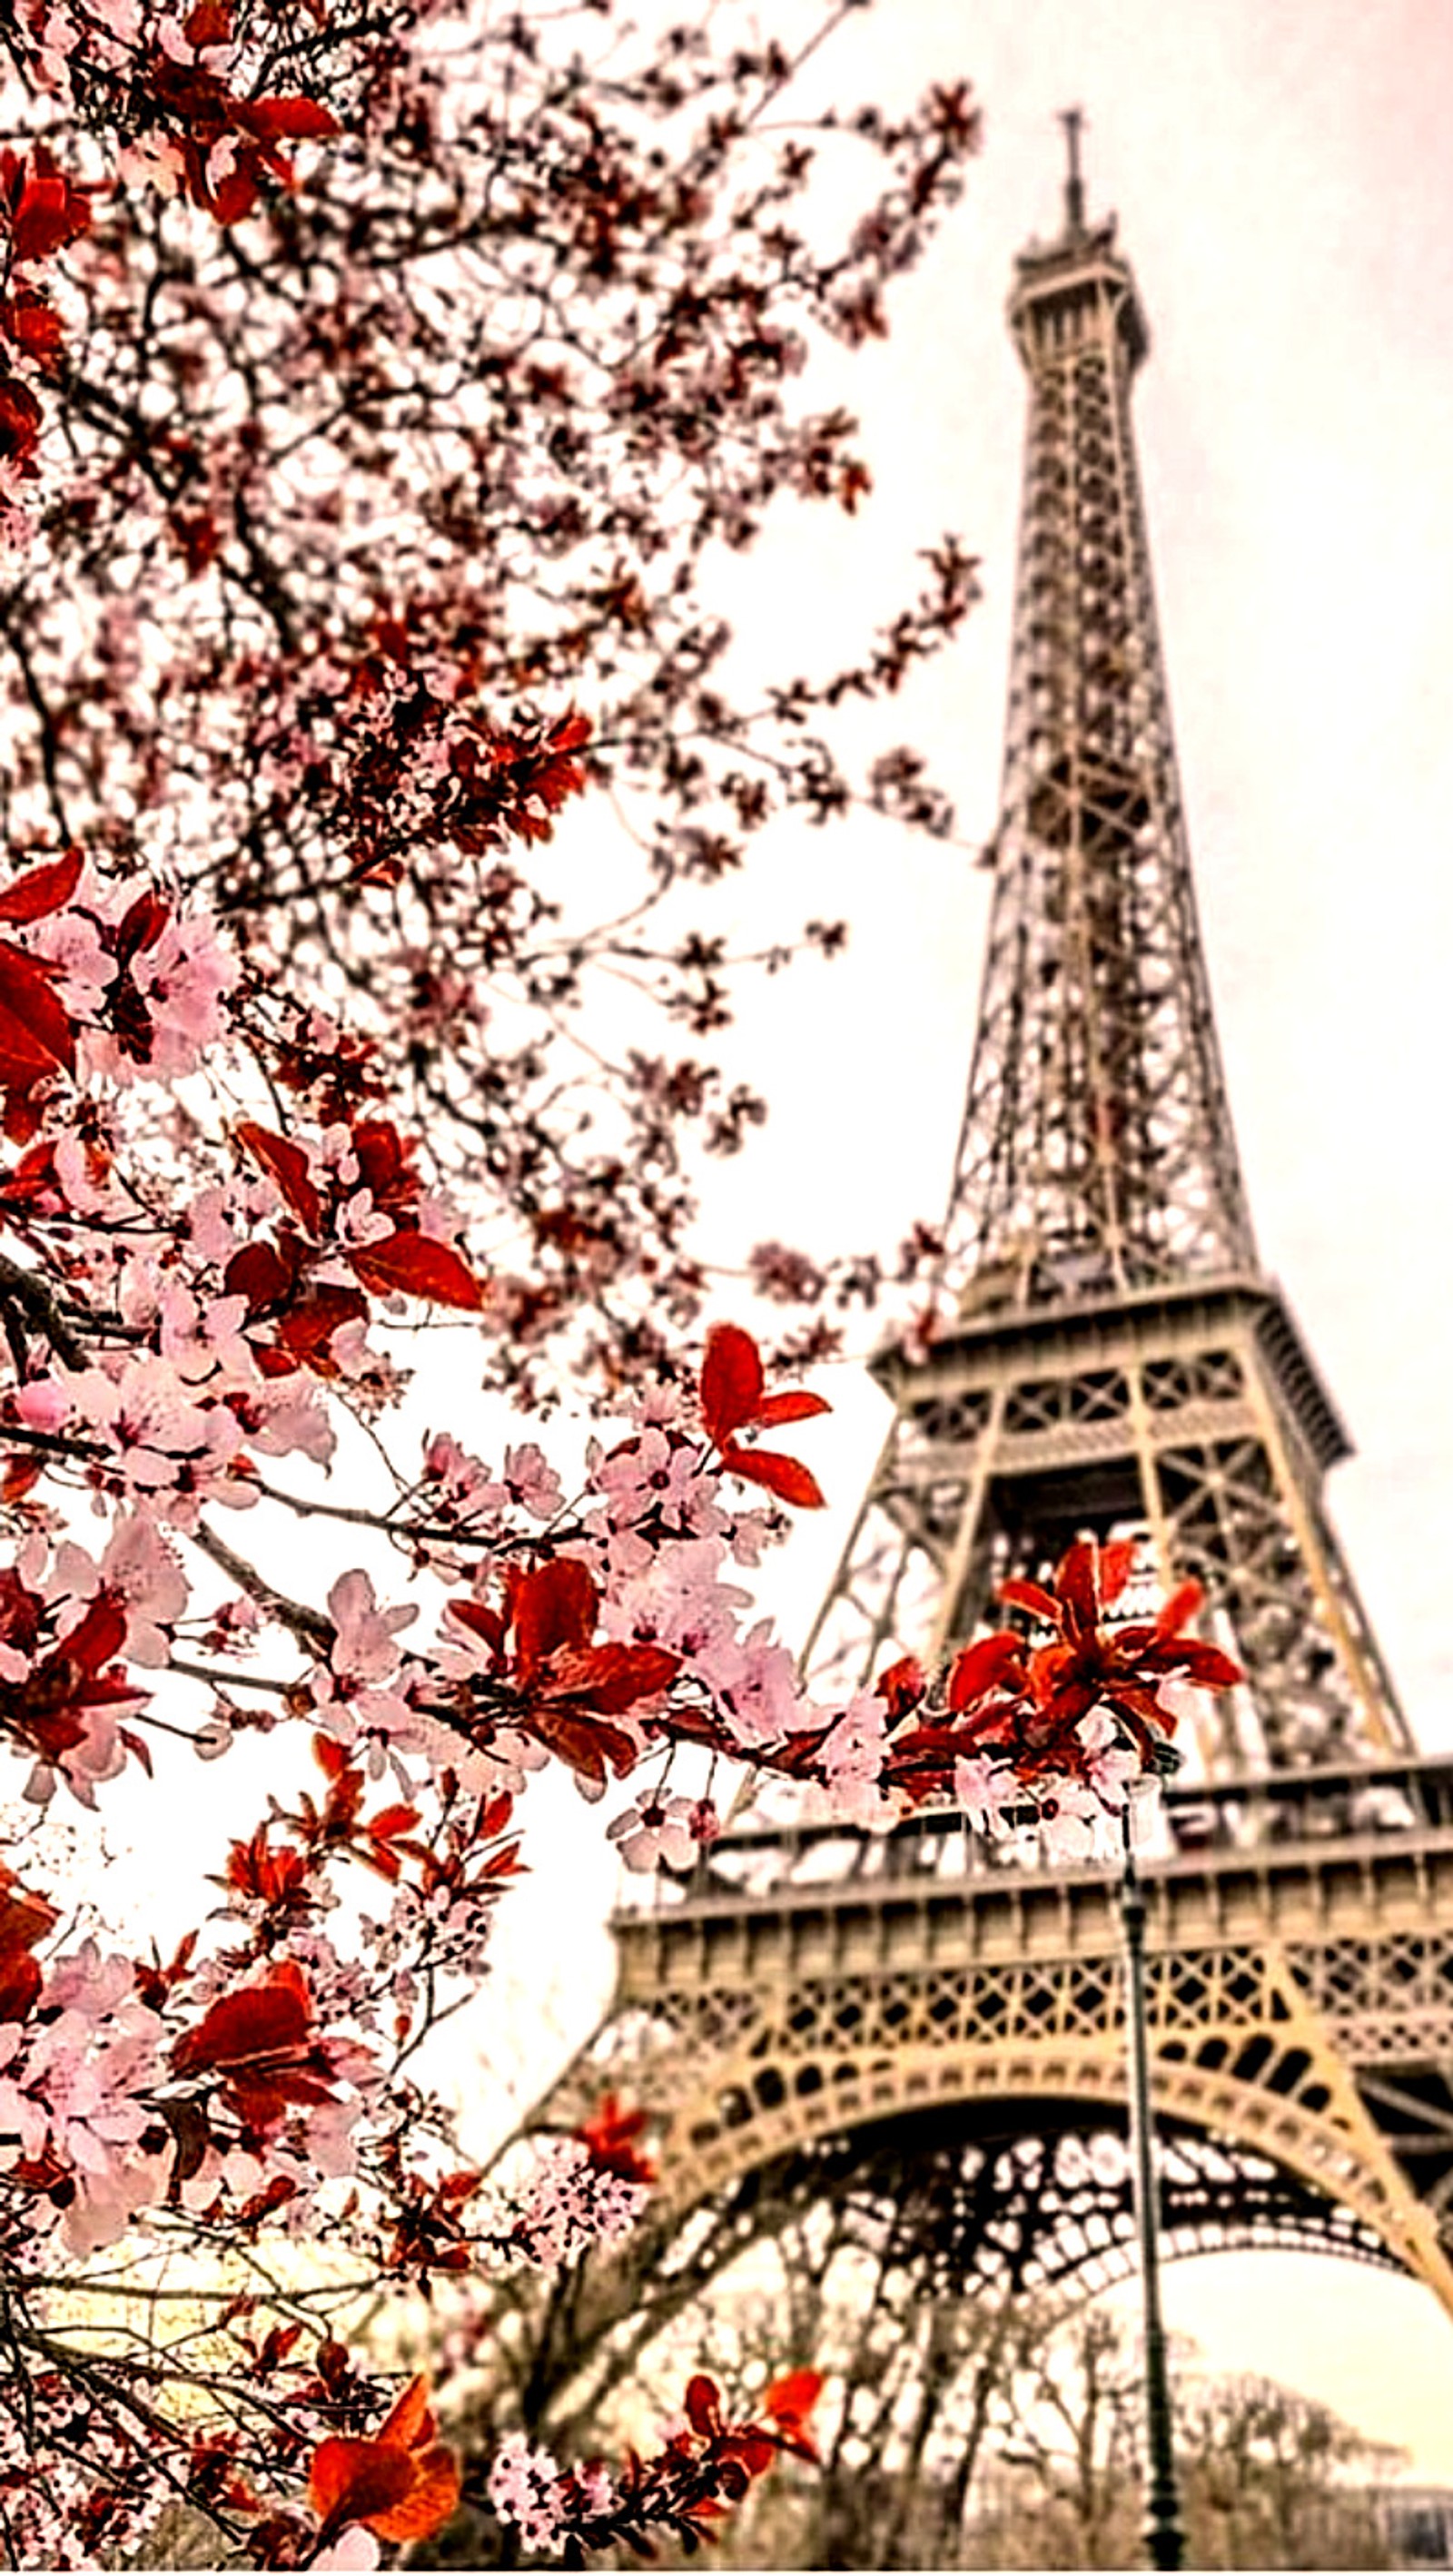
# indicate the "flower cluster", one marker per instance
pixel 705 2466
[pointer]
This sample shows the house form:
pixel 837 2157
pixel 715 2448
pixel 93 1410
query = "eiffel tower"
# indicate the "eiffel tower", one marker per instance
pixel 933 2024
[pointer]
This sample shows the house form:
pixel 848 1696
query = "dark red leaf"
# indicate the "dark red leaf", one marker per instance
pixel 989 1664
pixel 1207 1664
pixel 41 890
pixel 1030 1597
pixel 553 1605
pixel 902 1686
pixel 258 2021
pixel 352 2481
pixel 210 23
pixel 420 1267
pixel 306 1332
pixel 795 1405
pixel 260 1273
pixel 97 1636
pixel 731 1382
pixel 484 1622
pixel 286 1166
pixel 1075 1582
pixel 585 1741
pixel 1178 1611
pixel 50 212
pixel 612 1678
pixel 37 1026
pixel 298 119
pixel 703 2404
pixel 787 1478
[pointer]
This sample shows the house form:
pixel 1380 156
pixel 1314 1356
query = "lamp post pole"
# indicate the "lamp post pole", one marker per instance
pixel 1164 2539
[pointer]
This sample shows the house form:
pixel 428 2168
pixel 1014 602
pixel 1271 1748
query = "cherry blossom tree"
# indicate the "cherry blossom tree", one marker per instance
pixel 375 384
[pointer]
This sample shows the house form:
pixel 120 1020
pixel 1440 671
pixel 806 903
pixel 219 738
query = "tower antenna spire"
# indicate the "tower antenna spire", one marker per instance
pixel 1072 119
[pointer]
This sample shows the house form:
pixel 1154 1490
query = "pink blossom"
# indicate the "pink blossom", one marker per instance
pixel 159 1435
pixel 467 1484
pixel 653 1478
pixel 71 941
pixel 755 1687
pixel 532 1481
pixel 656 1829
pixel 355 2548
pixel 363 1647
pixel 208 1345
pixel 107 2202
pixel 852 1756
pixel 42 1405
pixel 1114 1766
pixel 572 2204
pixel 676 1600
pixel 140 1566
pixel 293 1421
pixel 522 2484
pixel 986 1791
pixel 1073 1825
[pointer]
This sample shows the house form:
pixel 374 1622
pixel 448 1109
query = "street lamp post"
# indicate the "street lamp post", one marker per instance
pixel 1164 2539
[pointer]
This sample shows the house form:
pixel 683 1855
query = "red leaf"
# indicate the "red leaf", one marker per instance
pixel 703 2404
pixel 33 1025
pixel 306 1333
pixel 24 1920
pixel 1117 1564
pixel 731 1382
pixel 390 1822
pixel 141 925
pixel 984 1666
pixel 585 1741
pixel 552 1606
pixel 787 1478
pixel 49 213
pixel 409 2421
pixel 300 119
pixel 286 1165
pixel 32 323
pixel 20 420
pixel 235 194
pixel 419 1266
pixel 41 890
pixel 352 2481
pixel 481 1621
pixel 210 23
pixel 260 1274
pixel 902 1686
pixel 1075 1582
pixel 610 2132
pixel 789 2402
pixel 612 1678
pixel 259 2021
pixel 1031 1597
pixel 1175 1613
pixel 96 1637
pixel 795 1405
pixel 1207 1664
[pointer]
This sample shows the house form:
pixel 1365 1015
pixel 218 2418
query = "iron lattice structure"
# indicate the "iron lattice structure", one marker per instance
pixel 932 2029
